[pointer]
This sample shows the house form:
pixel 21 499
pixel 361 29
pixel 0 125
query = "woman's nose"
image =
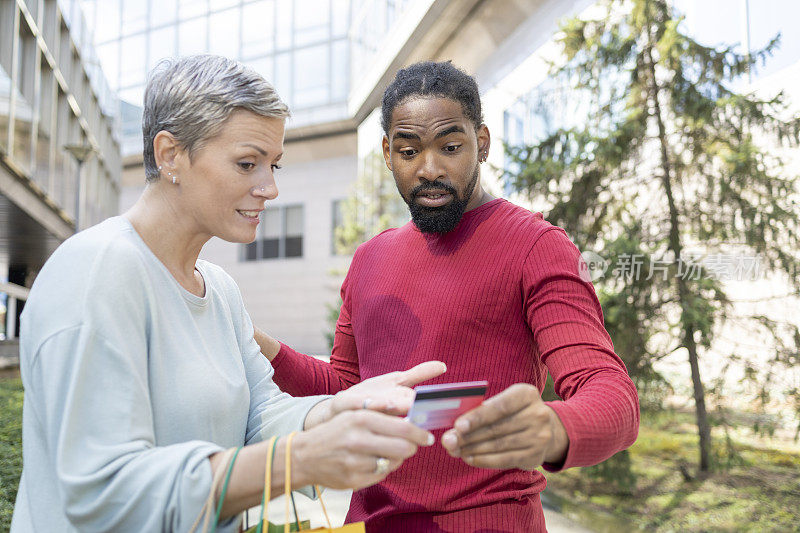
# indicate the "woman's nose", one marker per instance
pixel 267 188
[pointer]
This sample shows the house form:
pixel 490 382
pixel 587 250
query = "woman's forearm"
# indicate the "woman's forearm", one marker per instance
pixel 340 454
pixel 247 478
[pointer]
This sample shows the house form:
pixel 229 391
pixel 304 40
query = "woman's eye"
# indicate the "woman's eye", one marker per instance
pixel 276 167
pixel 245 165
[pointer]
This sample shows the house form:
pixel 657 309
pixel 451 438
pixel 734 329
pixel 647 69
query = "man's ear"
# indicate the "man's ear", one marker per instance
pixel 387 152
pixel 484 139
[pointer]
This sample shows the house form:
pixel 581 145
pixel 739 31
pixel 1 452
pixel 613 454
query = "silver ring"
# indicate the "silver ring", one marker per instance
pixel 365 404
pixel 382 466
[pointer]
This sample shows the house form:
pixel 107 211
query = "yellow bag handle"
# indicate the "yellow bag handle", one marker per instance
pixel 288 486
pixel 266 496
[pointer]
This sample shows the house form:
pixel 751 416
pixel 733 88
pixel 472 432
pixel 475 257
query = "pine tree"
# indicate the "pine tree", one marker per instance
pixel 668 158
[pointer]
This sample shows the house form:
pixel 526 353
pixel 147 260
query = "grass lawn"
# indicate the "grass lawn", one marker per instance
pixel 760 491
pixel 10 446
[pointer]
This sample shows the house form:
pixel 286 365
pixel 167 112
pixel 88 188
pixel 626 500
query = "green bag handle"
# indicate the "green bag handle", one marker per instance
pixel 225 489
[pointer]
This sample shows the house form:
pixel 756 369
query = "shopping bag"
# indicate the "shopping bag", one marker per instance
pixel 264 526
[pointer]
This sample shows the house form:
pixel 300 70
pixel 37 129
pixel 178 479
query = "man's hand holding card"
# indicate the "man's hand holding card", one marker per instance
pixel 513 429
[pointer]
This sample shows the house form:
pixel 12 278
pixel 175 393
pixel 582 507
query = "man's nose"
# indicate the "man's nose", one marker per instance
pixel 430 168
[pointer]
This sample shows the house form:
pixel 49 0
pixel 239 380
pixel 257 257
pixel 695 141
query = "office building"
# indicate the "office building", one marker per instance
pixel 59 156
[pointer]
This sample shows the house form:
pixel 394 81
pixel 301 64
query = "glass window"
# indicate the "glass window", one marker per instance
pixel 132 60
pixel 5 96
pixel 250 251
pixel 340 17
pixel 263 66
pixel 192 36
pixel 191 8
pixel 109 58
pixel 163 12
pixel 217 5
pixel 130 116
pixel 134 16
pixel 271 233
pixel 312 21
pixel 62 171
pixel 162 44
pixel 223 37
pixel 294 231
pixel 311 77
pixel 283 25
pixel 258 28
pixel 283 77
pixel 280 235
pixel 107 20
pixel 340 70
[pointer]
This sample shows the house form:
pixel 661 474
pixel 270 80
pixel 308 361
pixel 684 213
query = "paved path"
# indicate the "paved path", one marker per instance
pixel 337 502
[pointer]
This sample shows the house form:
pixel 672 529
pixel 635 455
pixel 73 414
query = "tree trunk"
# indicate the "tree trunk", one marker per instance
pixel 703 428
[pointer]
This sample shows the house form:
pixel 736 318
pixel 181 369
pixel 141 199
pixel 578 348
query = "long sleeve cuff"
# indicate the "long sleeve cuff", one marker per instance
pixel 595 432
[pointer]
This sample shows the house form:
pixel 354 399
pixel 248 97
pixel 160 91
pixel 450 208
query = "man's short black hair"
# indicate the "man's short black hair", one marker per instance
pixel 428 78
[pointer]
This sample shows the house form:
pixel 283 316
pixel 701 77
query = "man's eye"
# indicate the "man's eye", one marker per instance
pixel 452 147
pixel 245 165
pixel 408 152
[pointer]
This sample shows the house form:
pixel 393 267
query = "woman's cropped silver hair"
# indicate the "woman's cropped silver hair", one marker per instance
pixel 193 96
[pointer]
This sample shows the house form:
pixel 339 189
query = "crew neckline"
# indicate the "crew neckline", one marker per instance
pixel 187 295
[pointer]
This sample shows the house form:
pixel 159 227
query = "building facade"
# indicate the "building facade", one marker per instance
pixel 330 60
pixel 55 110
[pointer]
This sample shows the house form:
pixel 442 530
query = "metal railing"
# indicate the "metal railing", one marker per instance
pixel 15 293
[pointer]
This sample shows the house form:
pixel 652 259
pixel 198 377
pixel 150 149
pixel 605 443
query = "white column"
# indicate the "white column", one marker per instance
pixel 11 317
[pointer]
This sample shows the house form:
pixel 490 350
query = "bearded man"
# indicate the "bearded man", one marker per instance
pixel 495 292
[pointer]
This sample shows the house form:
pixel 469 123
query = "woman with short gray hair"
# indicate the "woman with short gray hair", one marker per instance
pixel 138 359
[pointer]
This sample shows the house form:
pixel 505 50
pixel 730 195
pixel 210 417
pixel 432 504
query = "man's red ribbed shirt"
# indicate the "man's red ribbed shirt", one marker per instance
pixel 499 298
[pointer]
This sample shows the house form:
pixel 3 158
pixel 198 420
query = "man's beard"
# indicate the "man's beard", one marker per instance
pixel 442 219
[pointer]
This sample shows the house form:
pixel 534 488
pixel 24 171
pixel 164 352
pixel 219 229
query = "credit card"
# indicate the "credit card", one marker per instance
pixel 438 406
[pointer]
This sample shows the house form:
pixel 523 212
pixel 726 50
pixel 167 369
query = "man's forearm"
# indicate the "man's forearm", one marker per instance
pixel 269 346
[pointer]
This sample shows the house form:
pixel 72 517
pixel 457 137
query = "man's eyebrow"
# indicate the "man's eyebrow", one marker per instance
pixel 405 135
pixel 448 131
pixel 258 148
